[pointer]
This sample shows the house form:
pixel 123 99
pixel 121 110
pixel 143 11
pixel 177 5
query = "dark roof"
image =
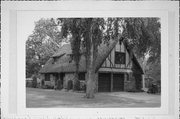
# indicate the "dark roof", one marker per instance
pixel 135 61
pixel 66 64
pixel 64 49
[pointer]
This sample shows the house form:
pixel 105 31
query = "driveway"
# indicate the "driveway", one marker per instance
pixel 39 98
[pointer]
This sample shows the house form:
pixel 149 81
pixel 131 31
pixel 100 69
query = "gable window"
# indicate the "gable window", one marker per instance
pixel 71 58
pixel 55 59
pixel 120 58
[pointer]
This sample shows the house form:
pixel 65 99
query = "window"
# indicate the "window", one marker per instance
pixel 120 58
pixel 55 59
pixel 70 58
pixel 82 76
pixel 47 77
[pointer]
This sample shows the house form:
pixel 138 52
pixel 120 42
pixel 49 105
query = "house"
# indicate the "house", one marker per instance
pixel 117 68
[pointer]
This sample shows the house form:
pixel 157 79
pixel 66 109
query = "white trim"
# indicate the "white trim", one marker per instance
pixel 116 70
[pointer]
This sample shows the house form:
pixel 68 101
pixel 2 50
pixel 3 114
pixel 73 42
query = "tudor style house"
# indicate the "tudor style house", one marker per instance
pixel 117 68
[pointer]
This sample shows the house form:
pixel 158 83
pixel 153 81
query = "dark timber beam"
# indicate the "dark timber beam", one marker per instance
pixel 111 81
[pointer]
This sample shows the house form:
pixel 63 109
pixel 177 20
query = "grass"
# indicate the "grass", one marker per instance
pixel 39 98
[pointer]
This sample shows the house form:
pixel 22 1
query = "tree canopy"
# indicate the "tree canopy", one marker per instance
pixel 144 36
pixel 41 44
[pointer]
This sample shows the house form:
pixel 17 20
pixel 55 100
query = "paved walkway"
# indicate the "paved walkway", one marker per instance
pixel 51 98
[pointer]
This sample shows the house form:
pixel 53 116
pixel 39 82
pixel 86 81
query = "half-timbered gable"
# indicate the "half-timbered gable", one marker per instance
pixel 118 58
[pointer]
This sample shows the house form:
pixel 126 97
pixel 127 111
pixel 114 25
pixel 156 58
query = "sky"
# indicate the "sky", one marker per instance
pixel 28 24
pixel 26 21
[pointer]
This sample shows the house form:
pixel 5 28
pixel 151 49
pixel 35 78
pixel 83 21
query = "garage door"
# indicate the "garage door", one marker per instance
pixel 118 82
pixel 104 82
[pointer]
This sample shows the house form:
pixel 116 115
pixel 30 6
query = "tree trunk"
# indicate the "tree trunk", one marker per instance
pixel 76 83
pixel 144 62
pixel 90 84
pixel 91 62
pixel 76 52
pixel 90 78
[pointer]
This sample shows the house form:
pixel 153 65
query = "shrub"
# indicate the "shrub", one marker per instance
pixel 60 85
pixel 28 84
pixel 153 89
pixel 70 85
pixel 82 86
pixel 76 85
pixel 34 82
pixel 48 87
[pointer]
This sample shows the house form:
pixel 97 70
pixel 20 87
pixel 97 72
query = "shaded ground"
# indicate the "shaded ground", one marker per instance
pixel 51 98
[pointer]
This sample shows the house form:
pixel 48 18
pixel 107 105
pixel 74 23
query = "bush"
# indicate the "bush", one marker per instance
pixel 153 89
pixel 34 82
pixel 59 84
pixel 43 86
pixel 47 87
pixel 28 84
pixel 132 90
pixel 70 85
pixel 82 86
pixel 76 85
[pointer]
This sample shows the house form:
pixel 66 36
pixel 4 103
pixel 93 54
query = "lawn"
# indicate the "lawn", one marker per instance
pixel 39 98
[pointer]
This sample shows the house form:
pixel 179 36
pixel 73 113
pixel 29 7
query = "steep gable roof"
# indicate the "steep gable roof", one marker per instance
pixel 135 61
pixel 65 49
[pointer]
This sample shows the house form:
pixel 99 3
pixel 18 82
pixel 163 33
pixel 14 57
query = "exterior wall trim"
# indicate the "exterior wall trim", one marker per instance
pixel 115 70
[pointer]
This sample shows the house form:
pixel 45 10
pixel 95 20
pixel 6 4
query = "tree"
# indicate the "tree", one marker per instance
pixel 144 35
pixel 89 33
pixel 145 41
pixel 41 44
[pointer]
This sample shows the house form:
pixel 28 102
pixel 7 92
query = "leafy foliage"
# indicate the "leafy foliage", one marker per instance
pixel 41 44
pixel 144 35
pixel 145 40
pixel 88 34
